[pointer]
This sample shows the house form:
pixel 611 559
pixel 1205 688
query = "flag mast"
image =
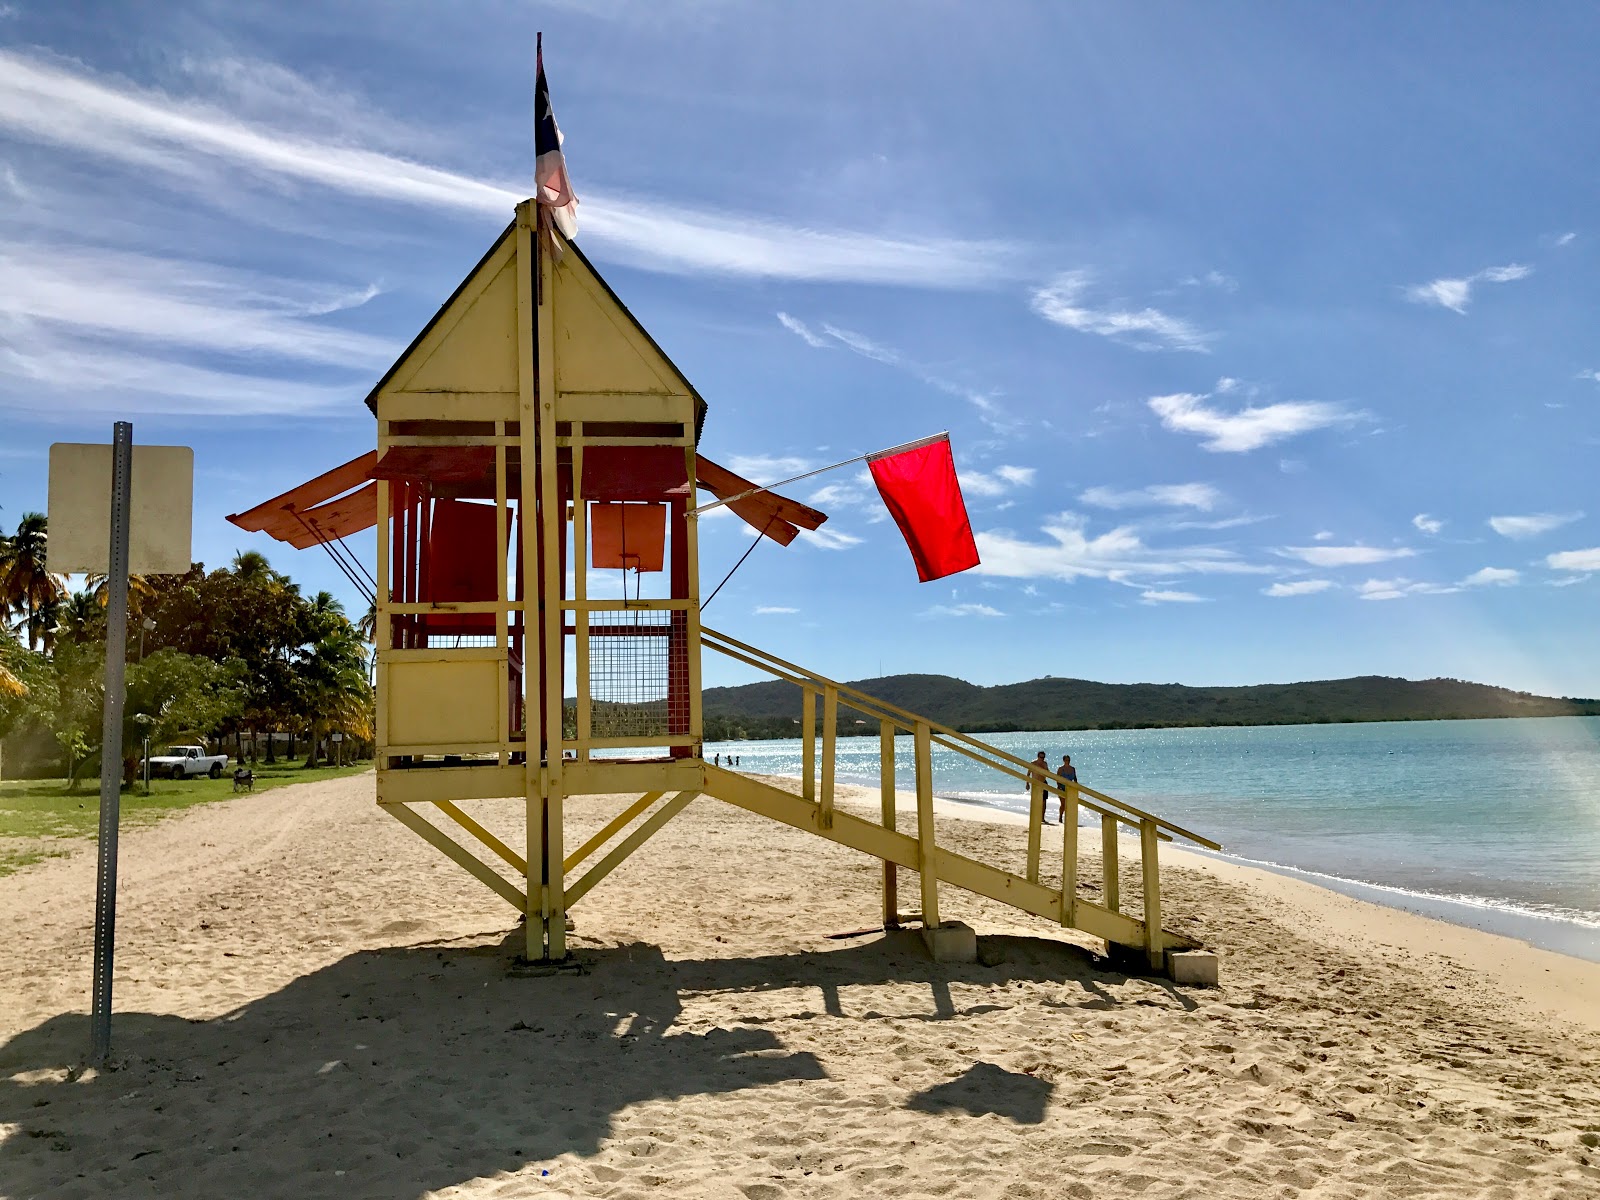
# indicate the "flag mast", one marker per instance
pixel 916 445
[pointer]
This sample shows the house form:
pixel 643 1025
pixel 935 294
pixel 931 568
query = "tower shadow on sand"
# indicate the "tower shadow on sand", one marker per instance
pixel 404 1070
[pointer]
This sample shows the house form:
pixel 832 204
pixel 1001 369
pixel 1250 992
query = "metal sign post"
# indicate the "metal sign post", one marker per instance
pixel 105 900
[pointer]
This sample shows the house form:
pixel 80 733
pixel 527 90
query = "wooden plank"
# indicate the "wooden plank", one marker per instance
pixel 334 520
pixel 1108 863
pixel 507 855
pixel 808 740
pixel 310 493
pixel 1152 891
pixel 991 756
pixel 891 873
pixel 1069 857
pixel 553 513
pixel 628 845
pixel 528 506
pixel 927 852
pixel 457 854
pixel 830 739
pixel 1035 823
pixel 428 786
pixel 611 827
pixel 722 483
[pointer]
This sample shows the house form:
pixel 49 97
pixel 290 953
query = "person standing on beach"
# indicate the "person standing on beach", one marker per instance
pixel 1070 773
pixel 1039 767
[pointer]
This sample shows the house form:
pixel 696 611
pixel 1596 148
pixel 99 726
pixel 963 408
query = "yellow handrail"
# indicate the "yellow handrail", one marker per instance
pixel 944 735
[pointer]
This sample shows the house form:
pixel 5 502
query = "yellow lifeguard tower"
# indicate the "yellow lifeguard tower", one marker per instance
pixel 532 442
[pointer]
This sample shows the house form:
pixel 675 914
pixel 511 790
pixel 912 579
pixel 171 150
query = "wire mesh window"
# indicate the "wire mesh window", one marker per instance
pixel 638 673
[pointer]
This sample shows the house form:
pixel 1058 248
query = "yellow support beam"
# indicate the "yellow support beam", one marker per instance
pixel 457 854
pixel 891 877
pixel 1108 863
pixel 1148 844
pixel 628 845
pixel 612 826
pixel 507 855
pixel 927 851
pixel 830 738
pixel 1069 857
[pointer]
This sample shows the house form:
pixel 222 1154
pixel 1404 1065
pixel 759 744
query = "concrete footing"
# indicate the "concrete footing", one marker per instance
pixel 953 941
pixel 1195 968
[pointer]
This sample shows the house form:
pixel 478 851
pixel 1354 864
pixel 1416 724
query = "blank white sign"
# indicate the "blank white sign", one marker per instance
pixel 161 518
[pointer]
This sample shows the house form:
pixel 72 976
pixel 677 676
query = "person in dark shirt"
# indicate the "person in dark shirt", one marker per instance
pixel 1070 773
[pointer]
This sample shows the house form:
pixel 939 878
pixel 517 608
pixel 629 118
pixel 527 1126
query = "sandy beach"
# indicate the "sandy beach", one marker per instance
pixel 313 1002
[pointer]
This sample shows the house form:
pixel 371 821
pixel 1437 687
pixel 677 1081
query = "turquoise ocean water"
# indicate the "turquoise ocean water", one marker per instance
pixel 1487 823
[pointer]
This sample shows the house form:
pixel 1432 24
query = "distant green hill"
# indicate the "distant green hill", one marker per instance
pixel 769 710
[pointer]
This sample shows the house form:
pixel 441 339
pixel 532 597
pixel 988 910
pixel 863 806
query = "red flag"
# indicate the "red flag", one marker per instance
pixel 919 485
pixel 551 185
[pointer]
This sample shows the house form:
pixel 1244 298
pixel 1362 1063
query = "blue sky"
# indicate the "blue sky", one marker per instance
pixel 1264 333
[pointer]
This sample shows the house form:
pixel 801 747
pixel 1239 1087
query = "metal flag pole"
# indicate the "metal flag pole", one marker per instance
pixel 105 900
pixel 916 445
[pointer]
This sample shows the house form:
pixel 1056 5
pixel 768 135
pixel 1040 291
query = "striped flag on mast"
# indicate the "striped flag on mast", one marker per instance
pixel 552 187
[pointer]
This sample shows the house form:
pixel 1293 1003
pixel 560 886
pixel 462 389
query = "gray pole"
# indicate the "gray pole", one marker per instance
pixel 105 900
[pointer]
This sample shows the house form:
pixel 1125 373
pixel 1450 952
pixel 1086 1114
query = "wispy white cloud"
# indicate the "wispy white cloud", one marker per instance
pixel 1398 589
pixel 1492 577
pixel 197 141
pixel 1427 524
pixel 763 610
pixel 1069 552
pixel 1456 294
pixel 1575 560
pixel 987 406
pixel 1211 279
pixel 1531 525
pixel 1063 303
pixel 1248 428
pixel 1590 373
pixel 997 482
pixel 1322 535
pixel 1347 556
pixel 1169 597
pixel 1566 239
pixel 1160 495
pixel 962 610
pixel 829 539
pixel 1298 587
pixel 801 330
pixel 767 469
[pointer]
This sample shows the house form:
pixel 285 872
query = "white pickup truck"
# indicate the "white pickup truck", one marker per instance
pixel 184 762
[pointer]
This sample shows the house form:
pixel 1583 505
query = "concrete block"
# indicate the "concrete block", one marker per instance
pixel 1196 968
pixel 953 941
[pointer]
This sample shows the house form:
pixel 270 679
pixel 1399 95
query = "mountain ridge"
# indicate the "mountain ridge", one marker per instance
pixel 772 709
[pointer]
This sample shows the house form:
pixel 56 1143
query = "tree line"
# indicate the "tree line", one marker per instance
pixel 222 656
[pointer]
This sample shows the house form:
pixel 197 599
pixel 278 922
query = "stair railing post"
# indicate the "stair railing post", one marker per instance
pixel 1069 854
pixel 927 852
pixel 1035 821
pixel 1108 861
pixel 808 735
pixel 891 873
pixel 1148 842
pixel 830 737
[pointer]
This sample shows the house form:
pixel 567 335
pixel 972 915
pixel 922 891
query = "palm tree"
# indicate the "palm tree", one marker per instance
pixel 332 674
pixel 26 583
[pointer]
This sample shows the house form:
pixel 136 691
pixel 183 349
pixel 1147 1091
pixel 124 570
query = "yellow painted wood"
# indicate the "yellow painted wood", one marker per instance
pixel 1108 862
pixel 830 738
pixel 383 633
pixel 441 654
pixel 580 595
pixel 628 845
pixel 808 743
pixel 455 606
pixel 502 619
pixel 629 743
pixel 553 515
pixel 602 350
pixel 891 873
pixel 471 345
pixel 618 822
pixel 1035 822
pixel 1069 857
pixel 927 851
pixel 599 776
pixel 440 749
pixel 505 852
pixel 442 703
pixel 1148 845
pixel 457 783
pixel 457 854
pixel 945 736
pixel 692 622
pixel 653 407
pixel 537 924
pixel 448 406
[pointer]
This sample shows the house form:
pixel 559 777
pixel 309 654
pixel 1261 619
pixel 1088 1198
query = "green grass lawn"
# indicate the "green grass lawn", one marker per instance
pixel 39 816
